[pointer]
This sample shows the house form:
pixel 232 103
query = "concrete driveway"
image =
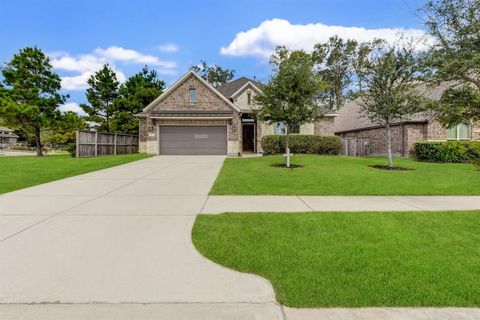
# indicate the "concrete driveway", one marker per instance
pixel 115 244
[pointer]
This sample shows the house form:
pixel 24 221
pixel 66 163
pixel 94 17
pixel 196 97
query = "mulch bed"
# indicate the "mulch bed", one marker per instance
pixel 282 165
pixel 383 167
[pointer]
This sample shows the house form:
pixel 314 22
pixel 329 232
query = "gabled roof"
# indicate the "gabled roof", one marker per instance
pixel 230 89
pixel 181 80
pixel 7 133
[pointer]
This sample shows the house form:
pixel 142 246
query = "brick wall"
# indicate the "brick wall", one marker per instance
pixel 324 127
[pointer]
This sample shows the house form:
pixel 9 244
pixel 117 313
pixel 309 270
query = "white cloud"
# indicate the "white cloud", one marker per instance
pixel 83 63
pixel 262 40
pixel 129 55
pixel 87 64
pixel 168 47
pixel 72 106
pixel 79 82
pixel 76 82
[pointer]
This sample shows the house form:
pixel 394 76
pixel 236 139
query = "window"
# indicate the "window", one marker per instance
pixel 193 95
pixel 459 132
pixel 249 98
pixel 280 128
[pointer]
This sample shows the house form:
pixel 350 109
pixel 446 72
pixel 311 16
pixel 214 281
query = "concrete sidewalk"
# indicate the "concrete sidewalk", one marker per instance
pixel 219 204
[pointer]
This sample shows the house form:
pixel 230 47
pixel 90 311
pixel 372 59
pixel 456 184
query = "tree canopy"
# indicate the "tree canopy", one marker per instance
pixel 101 94
pixel 334 62
pixel 214 74
pixel 390 75
pixel 454 26
pixel 291 95
pixel 134 95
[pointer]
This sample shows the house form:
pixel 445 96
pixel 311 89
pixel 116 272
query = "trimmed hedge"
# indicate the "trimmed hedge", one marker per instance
pixel 451 151
pixel 275 144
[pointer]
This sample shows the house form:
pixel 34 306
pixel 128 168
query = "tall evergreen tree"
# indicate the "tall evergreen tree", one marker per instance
pixel 134 95
pixel 101 95
pixel 29 96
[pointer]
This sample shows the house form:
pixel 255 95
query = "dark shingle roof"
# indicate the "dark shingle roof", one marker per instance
pixel 228 89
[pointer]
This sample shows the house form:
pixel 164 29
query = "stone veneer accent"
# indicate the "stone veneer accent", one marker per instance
pixel 241 99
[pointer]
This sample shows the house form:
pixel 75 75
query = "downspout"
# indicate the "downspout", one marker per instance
pixel 403 140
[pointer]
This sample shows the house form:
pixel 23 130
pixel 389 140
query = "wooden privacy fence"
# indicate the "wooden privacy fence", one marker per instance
pixel 355 147
pixel 93 144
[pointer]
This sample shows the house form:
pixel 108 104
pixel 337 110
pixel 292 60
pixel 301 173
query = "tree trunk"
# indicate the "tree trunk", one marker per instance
pixel 38 142
pixel 389 146
pixel 287 147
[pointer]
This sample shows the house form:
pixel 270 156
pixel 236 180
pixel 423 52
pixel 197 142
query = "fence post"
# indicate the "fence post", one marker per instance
pixel 77 142
pixel 96 143
pixel 115 145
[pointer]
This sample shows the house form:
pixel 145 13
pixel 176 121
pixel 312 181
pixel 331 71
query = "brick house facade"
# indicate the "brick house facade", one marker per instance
pixel 420 127
pixel 192 117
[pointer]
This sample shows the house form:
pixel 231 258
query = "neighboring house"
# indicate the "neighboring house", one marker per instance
pixel 351 124
pixel 192 117
pixel 7 138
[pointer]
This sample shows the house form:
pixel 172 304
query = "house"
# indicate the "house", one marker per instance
pixel 192 117
pixel 351 124
pixel 7 138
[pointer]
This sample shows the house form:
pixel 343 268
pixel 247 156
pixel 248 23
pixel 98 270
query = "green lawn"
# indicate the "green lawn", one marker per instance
pixel 338 175
pixel 21 172
pixel 352 259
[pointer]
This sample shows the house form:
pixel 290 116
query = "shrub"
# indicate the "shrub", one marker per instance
pixel 275 144
pixel 72 149
pixel 451 151
pixel 476 163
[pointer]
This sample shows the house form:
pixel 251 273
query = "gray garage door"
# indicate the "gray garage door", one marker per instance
pixel 193 140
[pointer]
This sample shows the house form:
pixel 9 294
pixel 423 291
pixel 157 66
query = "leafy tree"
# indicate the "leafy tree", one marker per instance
pixel 335 64
pixel 65 129
pixel 101 95
pixel 29 96
pixel 214 74
pixel 134 95
pixel 291 95
pixel 363 52
pixel 455 56
pixel 390 75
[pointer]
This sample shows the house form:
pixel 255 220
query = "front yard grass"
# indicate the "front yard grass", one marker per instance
pixel 339 175
pixel 21 172
pixel 395 259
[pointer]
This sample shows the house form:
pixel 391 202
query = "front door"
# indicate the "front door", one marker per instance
pixel 248 137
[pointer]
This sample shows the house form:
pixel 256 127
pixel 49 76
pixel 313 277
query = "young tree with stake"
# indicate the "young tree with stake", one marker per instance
pixel 291 95
pixel 390 76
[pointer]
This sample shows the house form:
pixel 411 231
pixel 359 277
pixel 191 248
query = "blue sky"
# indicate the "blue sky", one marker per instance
pixel 170 36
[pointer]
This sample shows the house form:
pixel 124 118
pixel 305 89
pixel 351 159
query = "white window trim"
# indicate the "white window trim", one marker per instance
pixel 190 95
pixel 457 133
